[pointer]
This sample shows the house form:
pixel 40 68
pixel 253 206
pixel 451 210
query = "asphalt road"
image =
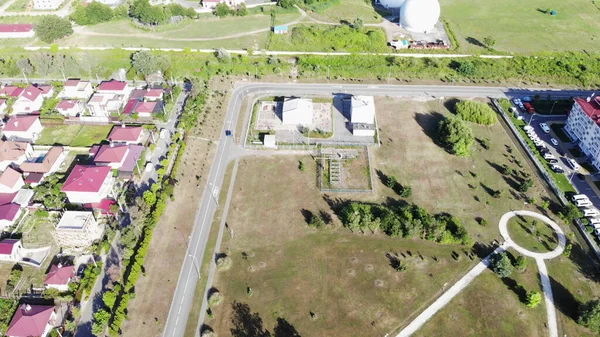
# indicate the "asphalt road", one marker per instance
pixel 227 151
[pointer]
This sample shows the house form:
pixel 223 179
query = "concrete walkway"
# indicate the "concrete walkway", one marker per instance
pixel 418 322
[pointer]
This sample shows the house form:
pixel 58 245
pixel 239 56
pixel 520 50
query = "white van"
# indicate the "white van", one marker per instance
pixel 579 197
pixel 590 212
pixel 583 203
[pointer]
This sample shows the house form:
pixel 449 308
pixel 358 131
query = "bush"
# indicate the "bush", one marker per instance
pixel 316 221
pixel 51 28
pixel 215 299
pixel 222 10
pixel 525 185
pixel 521 263
pixel 94 13
pixel 567 251
pixel 223 262
pixel 533 299
pixel 456 136
pixel 589 315
pixel 476 112
pixel 501 264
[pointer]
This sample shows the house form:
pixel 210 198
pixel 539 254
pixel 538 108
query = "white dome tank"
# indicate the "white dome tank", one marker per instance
pixel 390 3
pixel 419 16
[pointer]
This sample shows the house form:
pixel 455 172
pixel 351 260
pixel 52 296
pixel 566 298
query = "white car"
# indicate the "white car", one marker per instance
pixel 163 133
pixel 545 127
pixel 590 212
pixel 584 203
pixel 595 222
pixel 554 141
pixel 573 164
pixel 528 127
pixel 149 167
pixel 579 197
pixel 549 156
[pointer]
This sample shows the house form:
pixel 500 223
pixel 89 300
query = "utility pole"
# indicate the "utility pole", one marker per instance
pixel 23 71
pixel 389 74
pixel 328 76
pixel 64 77
pixel 552 107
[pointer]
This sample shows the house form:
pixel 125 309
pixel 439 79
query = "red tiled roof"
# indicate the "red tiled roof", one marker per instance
pixel 103 206
pixel 6 246
pixel 146 107
pixel 9 211
pixel 112 85
pixel 17 92
pixel 12 150
pixel 9 177
pixel 9 90
pixel 2 102
pixel 7 198
pixel 30 320
pixel 34 178
pixel 59 275
pixel 111 154
pixel 591 108
pixel 130 107
pixel 32 93
pixel 125 134
pixel 86 178
pixel 45 88
pixel 16 28
pixel 72 83
pixel 45 165
pixel 154 93
pixel 20 123
pixel 66 104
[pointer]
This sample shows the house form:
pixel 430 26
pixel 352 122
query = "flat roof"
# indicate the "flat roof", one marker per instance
pixel 74 219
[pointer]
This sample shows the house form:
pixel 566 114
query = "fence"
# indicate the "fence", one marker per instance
pixel 557 191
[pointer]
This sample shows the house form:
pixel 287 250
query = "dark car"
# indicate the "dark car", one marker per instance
pixel 228 133
pixel 553 161
pixel 544 151
pixel 557 169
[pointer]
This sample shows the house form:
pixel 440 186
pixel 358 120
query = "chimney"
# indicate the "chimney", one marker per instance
pixel 123 126
pixel 588 99
pixel 59 265
pixel 17 123
pixel 27 308
pixel 112 144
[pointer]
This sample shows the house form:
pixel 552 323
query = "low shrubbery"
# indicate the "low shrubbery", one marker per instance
pixel 331 38
pixel 51 28
pixel 501 264
pixel 476 112
pixel 456 136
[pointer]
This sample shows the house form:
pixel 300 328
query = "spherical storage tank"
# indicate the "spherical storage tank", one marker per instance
pixel 390 3
pixel 419 16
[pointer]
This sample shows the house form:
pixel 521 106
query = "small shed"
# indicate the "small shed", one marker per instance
pixel 280 29
pixel 270 141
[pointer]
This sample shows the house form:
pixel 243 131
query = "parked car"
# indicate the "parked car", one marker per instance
pixel 594 222
pixel 554 141
pixel 149 167
pixel 529 107
pixel 557 169
pixel 545 127
pixel 590 212
pixel 163 133
pixel 573 164
pixel 549 156
pixel 578 197
pixel 553 161
pixel 543 150
pixel 583 203
pixel 528 127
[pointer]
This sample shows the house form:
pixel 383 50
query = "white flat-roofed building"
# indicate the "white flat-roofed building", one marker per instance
pixel 77 229
pixel 297 111
pixel 362 116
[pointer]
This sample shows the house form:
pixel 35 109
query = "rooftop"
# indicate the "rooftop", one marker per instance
pixel 591 108
pixel 86 178
pixel 74 220
pixel 16 28
pixel 9 211
pixel 59 274
pixel 30 320
pixel 112 85
pixel 66 104
pixel 125 133
pixel 12 150
pixel 20 123
pixel 134 153
pixel 45 165
pixel 31 93
pixel 7 245
pixel 111 153
pixel 9 177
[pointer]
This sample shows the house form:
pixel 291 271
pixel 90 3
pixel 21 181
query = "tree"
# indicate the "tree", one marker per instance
pixel 456 136
pixel 51 28
pixel 109 298
pixel 149 198
pixel 95 12
pixel 222 55
pixel 501 264
pixel 467 68
pixel 42 63
pixel 568 249
pixel 316 221
pixel 241 10
pixel 146 63
pixel 589 315
pixel 222 10
pixel 286 3
pixel 215 299
pixel 25 66
pixel 521 263
pixel 489 42
pixel 49 194
pixel 525 185
pixel 476 112
pixel 570 212
pixel 533 299
pixel 358 24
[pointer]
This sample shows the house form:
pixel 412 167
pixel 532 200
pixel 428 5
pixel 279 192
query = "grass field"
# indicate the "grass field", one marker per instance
pixel 349 10
pixel 18 6
pixel 531 234
pixel 491 306
pixel 73 134
pixel 521 26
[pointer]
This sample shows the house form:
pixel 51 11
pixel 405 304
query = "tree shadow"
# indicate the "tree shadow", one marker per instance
pixel 394 260
pixel 429 124
pixel 475 42
pixel 482 249
pixel 382 177
pixel 308 215
pixel 515 287
pixel 326 217
pixel 450 104
pixel 246 323
pixel 564 300
pixel 487 189
pixel 284 329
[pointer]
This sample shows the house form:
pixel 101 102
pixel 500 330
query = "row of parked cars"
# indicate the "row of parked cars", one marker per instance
pixel 591 213
pixel 544 151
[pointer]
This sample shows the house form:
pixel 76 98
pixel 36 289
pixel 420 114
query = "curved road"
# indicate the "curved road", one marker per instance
pixel 227 151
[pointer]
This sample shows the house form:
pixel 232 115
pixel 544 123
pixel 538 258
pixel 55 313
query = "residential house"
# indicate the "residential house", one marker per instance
pixel 77 230
pixel 362 115
pixel 583 127
pixel 59 277
pixel 11 250
pixel 111 155
pixel 23 128
pixel 150 94
pixel 9 213
pixel 30 100
pixel 88 184
pixel 46 163
pixel 77 89
pixel 14 152
pixel 48 5
pixel 16 31
pixel 297 111
pixel 103 104
pixel 3 106
pixel 280 29
pixel 115 87
pixel 32 320
pixel 126 134
pixel 11 91
pixel 10 181
pixel 70 107
pixel 143 109
pixel 47 90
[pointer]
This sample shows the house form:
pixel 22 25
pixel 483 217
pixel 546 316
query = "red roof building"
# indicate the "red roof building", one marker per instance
pixel 16 28
pixel 125 134
pixel 31 320
pixel 86 178
pixel 111 155
pixel 10 181
pixel 31 93
pixel 112 85
pixel 59 276
pixel 7 246
pixel 11 90
pixel 20 123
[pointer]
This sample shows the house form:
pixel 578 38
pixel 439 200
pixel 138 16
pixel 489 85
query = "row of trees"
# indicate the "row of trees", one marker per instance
pixel 97 12
pixel 406 221
pixel 222 10
pixel 143 11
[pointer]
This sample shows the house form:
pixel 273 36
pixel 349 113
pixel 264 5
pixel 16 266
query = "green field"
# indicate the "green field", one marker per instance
pixel 349 10
pixel 533 235
pixel 18 6
pixel 521 26
pixel 73 134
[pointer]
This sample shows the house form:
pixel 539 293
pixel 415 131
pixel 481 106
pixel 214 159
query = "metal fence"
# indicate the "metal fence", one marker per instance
pixel 557 191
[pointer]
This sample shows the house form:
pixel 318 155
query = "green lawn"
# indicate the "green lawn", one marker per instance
pixel 532 234
pixel 18 6
pixel 521 26
pixel 91 134
pixel 349 10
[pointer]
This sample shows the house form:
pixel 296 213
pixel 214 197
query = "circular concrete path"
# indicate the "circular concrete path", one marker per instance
pixel 544 256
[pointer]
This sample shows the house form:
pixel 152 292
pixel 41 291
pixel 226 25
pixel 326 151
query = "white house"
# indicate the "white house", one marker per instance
pixel 11 250
pixel 297 111
pixel 48 5
pixel 88 184
pixel 583 126
pixel 10 181
pixel 77 230
pixel 362 115
pixel 16 31
pixel 70 107
pixel 77 89
pixel 14 152
pixel 30 100
pixel 103 104
pixel 59 277
pixel 23 128
pixel 33 320
pixel 115 87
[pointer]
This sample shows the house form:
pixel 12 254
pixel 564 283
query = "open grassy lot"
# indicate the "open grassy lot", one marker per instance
pixel 522 26
pixel 18 6
pixel 491 306
pixel 349 10
pixel 73 134
pixel 532 234
pixel 91 134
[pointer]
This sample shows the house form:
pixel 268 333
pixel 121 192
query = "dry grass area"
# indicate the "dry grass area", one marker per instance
pixel 149 310
pixel 491 306
pixel 345 279
pixel 442 182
